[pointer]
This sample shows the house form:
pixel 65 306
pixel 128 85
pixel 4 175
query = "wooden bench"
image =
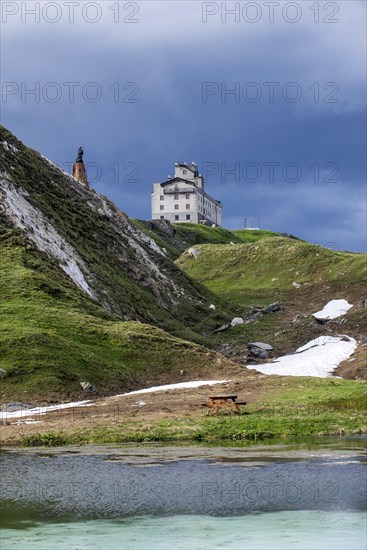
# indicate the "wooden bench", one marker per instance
pixel 227 403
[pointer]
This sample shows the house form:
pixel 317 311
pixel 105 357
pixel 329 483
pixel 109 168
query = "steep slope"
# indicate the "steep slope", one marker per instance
pixel 78 282
pixel 53 337
pixel 106 256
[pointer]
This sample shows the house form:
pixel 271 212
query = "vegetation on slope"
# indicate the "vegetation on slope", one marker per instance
pixel 304 277
pixel 268 268
pixel 176 238
pixel 53 337
pixel 129 278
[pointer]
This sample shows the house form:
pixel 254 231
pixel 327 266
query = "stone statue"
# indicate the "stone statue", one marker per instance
pixel 79 158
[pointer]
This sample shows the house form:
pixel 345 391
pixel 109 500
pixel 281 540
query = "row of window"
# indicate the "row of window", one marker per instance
pixel 177 217
pixel 177 207
pixel 176 197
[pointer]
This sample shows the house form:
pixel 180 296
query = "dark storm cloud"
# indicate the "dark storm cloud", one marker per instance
pixel 171 73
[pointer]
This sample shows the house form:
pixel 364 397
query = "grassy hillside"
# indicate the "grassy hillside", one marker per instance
pixel 304 277
pixel 253 235
pixel 53 337
pixel 129 277
pixel 176 238
pixel 262 271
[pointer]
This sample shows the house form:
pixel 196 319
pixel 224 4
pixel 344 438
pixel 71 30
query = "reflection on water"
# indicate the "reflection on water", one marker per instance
pixel 272 531
pixel 251 497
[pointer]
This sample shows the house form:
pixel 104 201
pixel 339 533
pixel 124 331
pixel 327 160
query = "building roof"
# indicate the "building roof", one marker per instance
pixel 190 182
pixel 192 167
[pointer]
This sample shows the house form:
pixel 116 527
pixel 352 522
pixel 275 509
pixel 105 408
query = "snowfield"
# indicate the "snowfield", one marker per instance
pixel 318 357
pixel 333 310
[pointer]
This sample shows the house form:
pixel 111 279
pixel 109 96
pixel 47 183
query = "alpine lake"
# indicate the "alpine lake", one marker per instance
pixel 303 494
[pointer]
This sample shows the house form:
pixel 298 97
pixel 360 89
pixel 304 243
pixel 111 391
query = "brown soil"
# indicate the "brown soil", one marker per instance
pixel 115 411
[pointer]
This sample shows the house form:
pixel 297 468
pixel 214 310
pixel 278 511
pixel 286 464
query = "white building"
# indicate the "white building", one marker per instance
pixel 182 198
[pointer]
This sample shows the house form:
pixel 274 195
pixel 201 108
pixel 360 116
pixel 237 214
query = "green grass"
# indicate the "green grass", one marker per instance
pixel 190 234
pixel 53 337
pixel 129 280
pixel 265 270
pixel 306 406
pixel 251 236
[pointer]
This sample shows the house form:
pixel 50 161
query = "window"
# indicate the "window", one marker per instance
pixel 162 217
pixel 162 207
pixel 162 197
pixel 187 207
pixel 176 206
pixel 187 195
pixel 177 217
pixel 188 216
pixel 184 171
pixel 176 197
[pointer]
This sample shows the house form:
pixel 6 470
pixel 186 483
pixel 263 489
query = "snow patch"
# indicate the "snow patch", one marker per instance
pixel 318 357
pixel 43 234
pixel 181 385
pixel 43 410
pixel 333 309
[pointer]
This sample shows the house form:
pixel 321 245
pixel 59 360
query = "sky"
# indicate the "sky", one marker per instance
pixel 268 98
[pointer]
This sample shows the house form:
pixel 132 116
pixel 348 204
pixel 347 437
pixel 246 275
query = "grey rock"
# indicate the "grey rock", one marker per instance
pixel 221 329
pixel 272 308
pixel 236 321
pixel 320 321
pixel 260 353
pixel 261 345
pixel 2 373
pixel 193 252
pixel 164 226
pixel 87 386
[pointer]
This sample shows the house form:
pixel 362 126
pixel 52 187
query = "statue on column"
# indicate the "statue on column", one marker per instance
pixel 79 158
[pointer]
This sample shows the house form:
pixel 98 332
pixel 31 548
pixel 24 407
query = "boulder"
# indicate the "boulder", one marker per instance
pixel 87 386
pixel 260 353
pixel 260 345
pixel 212 306
pixel 236 321
pixel 296 285
pixel 277 306
pixel 164 226
pixel 193 252
pixel 2 373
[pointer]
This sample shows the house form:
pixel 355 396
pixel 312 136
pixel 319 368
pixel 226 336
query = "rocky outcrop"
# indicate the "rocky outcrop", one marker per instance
pixel 104 254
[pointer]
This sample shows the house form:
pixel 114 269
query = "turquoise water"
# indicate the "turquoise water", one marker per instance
pixel 148 498
pixel 289 530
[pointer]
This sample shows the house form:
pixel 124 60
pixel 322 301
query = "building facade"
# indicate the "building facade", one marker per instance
pixel 182 198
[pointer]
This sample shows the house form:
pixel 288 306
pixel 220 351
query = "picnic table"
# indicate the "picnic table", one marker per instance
pixel 225 403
